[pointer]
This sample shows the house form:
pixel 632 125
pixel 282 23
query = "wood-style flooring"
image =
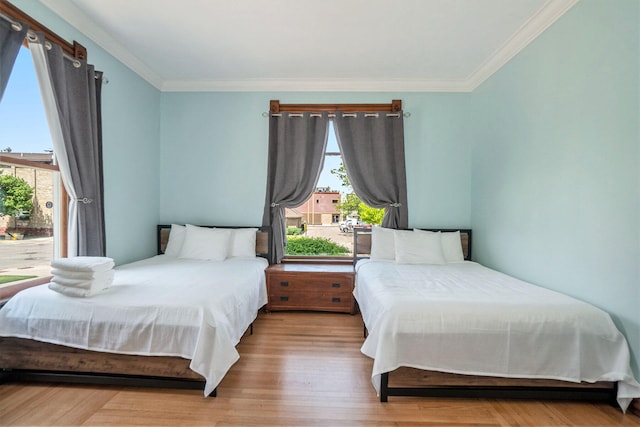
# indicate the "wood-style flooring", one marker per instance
pixel 297 369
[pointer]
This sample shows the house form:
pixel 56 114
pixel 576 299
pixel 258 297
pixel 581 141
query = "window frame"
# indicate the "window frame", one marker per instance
pixel 275 107
pixel 8 291
pixel 77 51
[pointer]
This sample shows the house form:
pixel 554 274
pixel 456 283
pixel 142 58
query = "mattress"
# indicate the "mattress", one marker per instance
pixel 161 306
pixel 468 319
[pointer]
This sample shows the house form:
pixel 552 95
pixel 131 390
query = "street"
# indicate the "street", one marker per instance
pixel 333 233
pixel 26 257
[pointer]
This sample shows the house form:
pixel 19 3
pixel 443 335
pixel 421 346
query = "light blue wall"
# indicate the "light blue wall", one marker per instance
pixel 131 134
pixel 214 155
pixel 556 162
pixel 542 160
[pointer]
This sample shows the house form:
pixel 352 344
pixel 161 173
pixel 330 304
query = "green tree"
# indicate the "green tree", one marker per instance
pixel 352 203
pixel 15 196
pixel 341 173
pixel 370 215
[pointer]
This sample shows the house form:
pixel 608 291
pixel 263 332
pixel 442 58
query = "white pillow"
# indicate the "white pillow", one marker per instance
pixel 452 246
pixel 243 242
pixel 424 247
pixel 383 244
pixel 206 243
pixel 176 240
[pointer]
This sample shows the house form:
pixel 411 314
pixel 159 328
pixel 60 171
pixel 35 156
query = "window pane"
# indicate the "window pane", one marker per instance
pixel 23 124
pixel 322 234
pixel 332 141
pixel 26 229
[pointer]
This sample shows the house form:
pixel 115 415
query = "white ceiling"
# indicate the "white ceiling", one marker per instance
pixel 312 45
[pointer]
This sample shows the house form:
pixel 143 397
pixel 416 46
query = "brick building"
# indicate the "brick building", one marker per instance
pixel 40 221
pixel 321 208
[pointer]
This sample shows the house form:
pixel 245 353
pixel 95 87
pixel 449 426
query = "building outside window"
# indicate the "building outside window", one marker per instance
pixel 28 240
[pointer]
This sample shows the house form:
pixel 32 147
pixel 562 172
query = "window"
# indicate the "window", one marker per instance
pixel 30 237
pixel 324 216
pixel 291 184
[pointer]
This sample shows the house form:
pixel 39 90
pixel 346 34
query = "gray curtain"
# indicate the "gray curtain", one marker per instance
pixel 71 92
pixel 11 38
pixel 297 143
pixel 372 147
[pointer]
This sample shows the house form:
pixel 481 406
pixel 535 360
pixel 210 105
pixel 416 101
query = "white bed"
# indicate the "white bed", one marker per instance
pixel 162 306
pixel 463 318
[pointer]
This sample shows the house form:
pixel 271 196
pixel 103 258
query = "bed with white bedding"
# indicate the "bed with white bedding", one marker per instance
pixel 167 307
pixel 463 318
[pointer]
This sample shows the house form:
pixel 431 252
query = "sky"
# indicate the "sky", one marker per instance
pixel 24 129
pixel 327 179
pixel 23 124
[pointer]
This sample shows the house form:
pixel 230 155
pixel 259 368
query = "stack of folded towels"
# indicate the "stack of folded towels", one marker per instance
pixel 81 276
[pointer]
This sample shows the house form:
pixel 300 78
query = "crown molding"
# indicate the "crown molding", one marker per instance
pixel 529 31
pixel 316 85
pixel 545 17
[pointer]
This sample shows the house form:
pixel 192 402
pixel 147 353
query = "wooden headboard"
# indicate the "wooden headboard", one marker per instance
pixel 263 239
pixel 362 241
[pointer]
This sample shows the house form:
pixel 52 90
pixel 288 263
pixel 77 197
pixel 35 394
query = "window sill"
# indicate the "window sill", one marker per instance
pixel 317 260
pixel 6 292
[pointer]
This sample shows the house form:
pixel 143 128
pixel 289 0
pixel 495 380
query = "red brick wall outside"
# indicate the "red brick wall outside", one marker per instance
pixel 320 208
pixel 40 222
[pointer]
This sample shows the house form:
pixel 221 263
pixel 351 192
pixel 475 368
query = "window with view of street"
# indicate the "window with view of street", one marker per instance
pixel 29 181
pixel 323 225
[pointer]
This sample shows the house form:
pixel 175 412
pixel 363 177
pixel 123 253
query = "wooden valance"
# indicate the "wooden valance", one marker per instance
pixel 73 49
pixel 275 107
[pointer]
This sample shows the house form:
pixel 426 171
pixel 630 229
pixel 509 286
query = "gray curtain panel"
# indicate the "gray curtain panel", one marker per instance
pixel 76 89
pixel 11 38
pixel 297 143
pixel 372 147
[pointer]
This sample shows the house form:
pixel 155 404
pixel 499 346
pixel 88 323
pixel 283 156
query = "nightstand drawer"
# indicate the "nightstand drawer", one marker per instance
pixel 311 283
pixel 310 301
pixel 319 287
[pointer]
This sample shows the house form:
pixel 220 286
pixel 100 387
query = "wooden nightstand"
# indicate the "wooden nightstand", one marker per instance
pixel 307 286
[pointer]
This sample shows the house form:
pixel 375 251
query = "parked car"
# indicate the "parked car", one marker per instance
pixel 347 226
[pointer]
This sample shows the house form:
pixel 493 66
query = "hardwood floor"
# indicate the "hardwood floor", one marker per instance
pixel 297 369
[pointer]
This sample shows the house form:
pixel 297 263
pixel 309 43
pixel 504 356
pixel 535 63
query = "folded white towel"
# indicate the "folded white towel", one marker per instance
pixel 73 292
pixel 82 275
pixel 102 282
pixel 83 263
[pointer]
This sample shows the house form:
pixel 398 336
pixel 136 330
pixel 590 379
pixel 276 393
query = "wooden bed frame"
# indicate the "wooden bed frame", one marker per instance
pixel 23 359
pixel 406 381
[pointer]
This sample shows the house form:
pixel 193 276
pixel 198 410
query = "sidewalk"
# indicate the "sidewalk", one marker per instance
pixel 29 257
pixel 38 270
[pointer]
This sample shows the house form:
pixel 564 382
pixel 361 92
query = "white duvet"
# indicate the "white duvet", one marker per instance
pixel 161 306
pixel 468 319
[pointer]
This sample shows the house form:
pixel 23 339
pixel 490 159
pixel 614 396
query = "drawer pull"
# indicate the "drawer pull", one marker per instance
pixel 335 285
pixel 284 298
pixel 335 299
pixel 284 283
